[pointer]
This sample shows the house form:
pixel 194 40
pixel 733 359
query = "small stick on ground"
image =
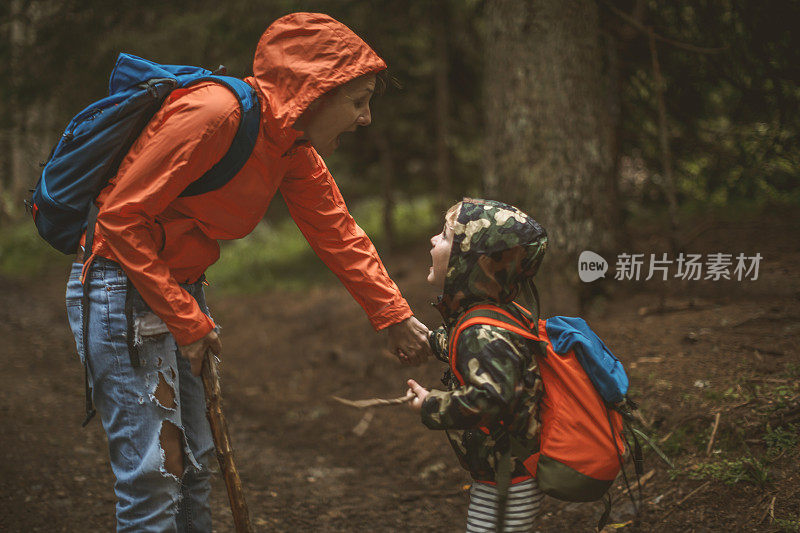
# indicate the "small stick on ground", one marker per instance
pixel 662 496
pixel 772 510
pixel 640 417
pixel 663 309
pixel 363 424
pixel 713 434
pixel 645 478
pixel 374 402
pixel 695 491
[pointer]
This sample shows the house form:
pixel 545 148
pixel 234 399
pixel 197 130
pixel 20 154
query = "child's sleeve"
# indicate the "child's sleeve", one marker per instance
pixel 491 367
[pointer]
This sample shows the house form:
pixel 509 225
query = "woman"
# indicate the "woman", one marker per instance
pixel 314 78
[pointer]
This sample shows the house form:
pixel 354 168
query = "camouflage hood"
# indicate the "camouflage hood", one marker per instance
pixel 496 250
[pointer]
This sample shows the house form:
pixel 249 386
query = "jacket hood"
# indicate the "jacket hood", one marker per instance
pixel 496 249
pixel 299 58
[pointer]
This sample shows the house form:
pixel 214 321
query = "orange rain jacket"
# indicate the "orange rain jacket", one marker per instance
pixel 162 240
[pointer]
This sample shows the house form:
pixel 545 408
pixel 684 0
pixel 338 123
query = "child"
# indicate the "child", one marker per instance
pixel 487 253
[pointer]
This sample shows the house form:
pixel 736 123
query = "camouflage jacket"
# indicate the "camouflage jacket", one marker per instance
pixel 496 249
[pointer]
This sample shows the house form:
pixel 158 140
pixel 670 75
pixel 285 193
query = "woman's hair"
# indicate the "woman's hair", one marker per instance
pixel 381 82
pixel 451 215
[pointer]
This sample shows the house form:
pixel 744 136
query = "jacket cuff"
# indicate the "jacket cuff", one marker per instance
pixel 393 313
pixel 184 337
pixel 430 410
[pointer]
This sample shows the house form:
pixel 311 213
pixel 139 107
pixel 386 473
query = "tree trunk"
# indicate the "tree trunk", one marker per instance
pixel 387 189
pixel 663 141
pixel 24 132
pixel 550 138
pixel 14 114
pixel 442 89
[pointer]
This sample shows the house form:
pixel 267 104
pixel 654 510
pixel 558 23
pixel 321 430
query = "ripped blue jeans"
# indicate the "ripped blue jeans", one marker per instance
pixel 136 402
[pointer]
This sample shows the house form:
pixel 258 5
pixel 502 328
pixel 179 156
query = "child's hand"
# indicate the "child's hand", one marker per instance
pixel 420 393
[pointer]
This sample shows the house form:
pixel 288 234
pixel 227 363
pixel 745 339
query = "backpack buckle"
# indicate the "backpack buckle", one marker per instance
pixel 152 85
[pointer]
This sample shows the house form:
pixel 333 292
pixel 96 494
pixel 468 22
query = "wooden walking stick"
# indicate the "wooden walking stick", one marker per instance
pixel 222 445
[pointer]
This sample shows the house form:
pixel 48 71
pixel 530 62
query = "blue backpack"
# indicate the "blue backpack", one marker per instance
pixel 96 140
pixel 603 369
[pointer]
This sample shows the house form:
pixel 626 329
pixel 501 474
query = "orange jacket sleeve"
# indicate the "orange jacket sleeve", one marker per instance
pixel 189 134
pixel 318 209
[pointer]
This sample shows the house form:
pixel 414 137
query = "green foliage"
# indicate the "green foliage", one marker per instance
pixel 730 472
pixel 781 439
pixel 788 524
pixel 782 395
pixel 732 114
pixel 23 254
pixel 675 445
pixel 70 49
pixel 276 255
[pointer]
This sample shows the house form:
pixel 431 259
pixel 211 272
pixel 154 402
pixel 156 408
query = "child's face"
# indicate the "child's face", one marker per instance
pixel 440 253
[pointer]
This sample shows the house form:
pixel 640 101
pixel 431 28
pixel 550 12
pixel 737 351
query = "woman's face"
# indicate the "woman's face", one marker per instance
pixel 440 254
pixel 337 112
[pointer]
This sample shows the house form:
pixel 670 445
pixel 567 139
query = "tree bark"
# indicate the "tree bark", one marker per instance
pixel 550 136
pixel 26 122
pixel 442 89
pixel 663 141
pixel 14 129
pixel 387 188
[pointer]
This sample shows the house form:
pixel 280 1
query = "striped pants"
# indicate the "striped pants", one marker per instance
pixel 522 507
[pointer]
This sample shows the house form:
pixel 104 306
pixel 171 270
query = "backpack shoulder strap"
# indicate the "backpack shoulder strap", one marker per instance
pixel 492 315
pixel 243 142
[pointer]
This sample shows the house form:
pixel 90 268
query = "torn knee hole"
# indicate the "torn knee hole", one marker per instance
pixel 172 448
pixel 165 394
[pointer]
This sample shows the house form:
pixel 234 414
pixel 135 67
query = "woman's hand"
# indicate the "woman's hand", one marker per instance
pixel 415 389
pixel 408 340
pixel 196 352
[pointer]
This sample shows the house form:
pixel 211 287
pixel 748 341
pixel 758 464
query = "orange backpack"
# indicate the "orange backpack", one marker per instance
pixel 581 443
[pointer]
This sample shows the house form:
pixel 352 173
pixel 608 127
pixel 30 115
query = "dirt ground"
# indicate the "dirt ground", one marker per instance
pixel 715 347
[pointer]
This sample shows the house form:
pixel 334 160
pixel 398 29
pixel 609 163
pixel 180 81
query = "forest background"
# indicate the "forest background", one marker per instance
pixel 592 116
pixel 624 126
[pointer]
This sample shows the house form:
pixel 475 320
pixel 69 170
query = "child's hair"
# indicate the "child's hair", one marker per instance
pixel 451 215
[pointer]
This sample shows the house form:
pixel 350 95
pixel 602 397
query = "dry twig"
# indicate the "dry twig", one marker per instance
pixel 695 491
pixel 639 415
pixel 363 424
pixel 772 510
pixel 663 309
pixel 678 44
pixel 374 402
pixel 769 510
pixel 768 380
pixel 644 479
pixel 713 434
